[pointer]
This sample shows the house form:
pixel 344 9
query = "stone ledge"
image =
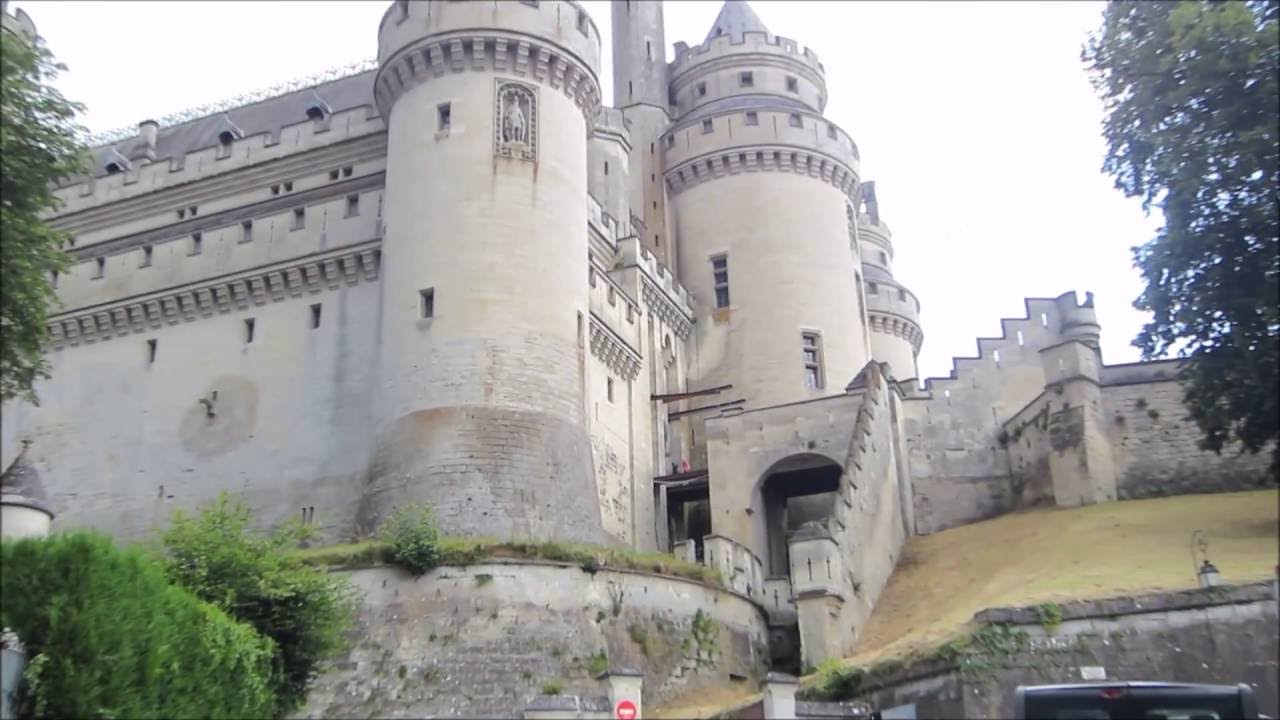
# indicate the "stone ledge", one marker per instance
pixel 1149 603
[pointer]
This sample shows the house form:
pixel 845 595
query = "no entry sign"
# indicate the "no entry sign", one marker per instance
pixel 626 710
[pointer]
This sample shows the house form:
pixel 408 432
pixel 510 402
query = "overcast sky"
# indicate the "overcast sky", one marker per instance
pixel 975 119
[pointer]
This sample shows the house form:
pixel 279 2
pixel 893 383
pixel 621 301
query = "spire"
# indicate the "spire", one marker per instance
pixel 736 18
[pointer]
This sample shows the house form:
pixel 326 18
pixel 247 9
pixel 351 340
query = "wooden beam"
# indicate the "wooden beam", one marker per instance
pixel 670 397
pixel 677 477
pixel 681 413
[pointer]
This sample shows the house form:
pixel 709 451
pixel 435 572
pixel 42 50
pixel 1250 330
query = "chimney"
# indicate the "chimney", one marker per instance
pixel 148 130
pixel 780 696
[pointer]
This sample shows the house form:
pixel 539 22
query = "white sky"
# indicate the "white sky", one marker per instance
pixel 975 119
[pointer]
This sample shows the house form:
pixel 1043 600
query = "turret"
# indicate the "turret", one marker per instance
pixel 761 186
pixel 640 89
pixel 893 312
pixel 480 401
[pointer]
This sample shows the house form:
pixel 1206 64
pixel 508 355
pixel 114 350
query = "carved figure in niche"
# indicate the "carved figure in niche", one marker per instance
pixel 517 121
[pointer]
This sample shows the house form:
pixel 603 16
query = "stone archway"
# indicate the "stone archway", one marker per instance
pixel 793 491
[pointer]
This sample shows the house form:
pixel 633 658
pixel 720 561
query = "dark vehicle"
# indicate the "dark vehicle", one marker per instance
pixel 1136 701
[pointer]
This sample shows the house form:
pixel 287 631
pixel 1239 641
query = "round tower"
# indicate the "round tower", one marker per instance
pixel 893 311
pixel 480 406
pixel 640 89
pixel 761 184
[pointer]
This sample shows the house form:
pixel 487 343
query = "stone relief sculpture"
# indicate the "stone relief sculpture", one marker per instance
pixel 516 121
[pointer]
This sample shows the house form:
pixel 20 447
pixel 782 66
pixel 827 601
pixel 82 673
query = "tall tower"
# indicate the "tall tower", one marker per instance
pixel 893 312
pixel 640 89
pixel 761 185
pixel 480 407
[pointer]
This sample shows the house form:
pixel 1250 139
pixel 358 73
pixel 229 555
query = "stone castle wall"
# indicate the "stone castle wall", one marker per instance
pixel 482 641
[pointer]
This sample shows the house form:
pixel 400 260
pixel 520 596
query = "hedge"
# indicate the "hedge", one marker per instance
pixel 107 635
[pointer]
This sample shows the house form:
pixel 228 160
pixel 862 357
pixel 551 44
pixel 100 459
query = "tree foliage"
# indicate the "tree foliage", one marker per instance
pixel 1191 96
pixel 108 635
pixel 38 145
pixel 413 542
pixel 259 579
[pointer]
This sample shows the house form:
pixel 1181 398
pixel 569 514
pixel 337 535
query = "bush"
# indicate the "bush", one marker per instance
pixel 413 542
pixel 259 579
pixel 108 635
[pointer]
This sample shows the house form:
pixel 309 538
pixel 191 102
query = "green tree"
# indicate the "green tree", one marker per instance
pixel 109 636
pixel 38 145
pixel 1191 97
pixel 259 579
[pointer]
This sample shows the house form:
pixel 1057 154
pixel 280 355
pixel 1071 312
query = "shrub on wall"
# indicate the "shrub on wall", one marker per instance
pixel 108 635
pixel 259 579
pixel 413 542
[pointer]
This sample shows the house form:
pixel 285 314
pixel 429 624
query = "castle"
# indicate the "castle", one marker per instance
pixel 459 278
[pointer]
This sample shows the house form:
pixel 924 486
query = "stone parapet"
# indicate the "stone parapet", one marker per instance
pixel 553 41
pixel 716 63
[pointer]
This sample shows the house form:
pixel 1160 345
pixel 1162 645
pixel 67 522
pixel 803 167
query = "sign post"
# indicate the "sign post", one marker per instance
pixel 625 710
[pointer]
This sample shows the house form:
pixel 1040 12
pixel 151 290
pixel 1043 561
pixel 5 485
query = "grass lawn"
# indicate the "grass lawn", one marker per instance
pixel 1053 554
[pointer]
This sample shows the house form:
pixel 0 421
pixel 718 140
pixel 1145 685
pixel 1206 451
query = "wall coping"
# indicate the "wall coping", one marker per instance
pixel 1134 605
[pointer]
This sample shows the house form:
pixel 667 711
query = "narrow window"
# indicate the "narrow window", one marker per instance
pixel 102 269
pixel 707 127
pixel 796 120
pixel 831 131
pixel 444 116
pixel 812 347
pixel 427 302
pixel 591 276
pixel 873 289
pixel 720 279
pixel 631 314
pixel 182 213
pixel 346 171
pixel 650 148
pixel 793 85
pixel 333 174
pixel 299 219
pixel 701 89
pixel 746 79
pixel 631 90
pixel 197 243
pixel 248 330
pixel 902 295
pixel 191 211
pixel 246 231
pixel 753 118
pixel 53 278
pixel 648 49
pixel 288 186
pixel 583 22
pixel 275 190
pixel 609 389
pixel 606 167
pixel 146 256
pixel 884 258
pixel 613 296
pixel 151 351
pixel 315 316
pixel 353 205
pixel 671 141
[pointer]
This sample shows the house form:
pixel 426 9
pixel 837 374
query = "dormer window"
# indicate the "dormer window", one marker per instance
pixel 225 137
pixel 113 168
pixel 315 112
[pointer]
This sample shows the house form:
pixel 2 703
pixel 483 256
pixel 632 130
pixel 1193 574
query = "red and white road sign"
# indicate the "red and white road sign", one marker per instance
pixel 626 710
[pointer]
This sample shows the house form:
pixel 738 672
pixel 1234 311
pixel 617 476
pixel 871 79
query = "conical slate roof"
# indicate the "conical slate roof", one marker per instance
pixel 735 18
pixel 20 484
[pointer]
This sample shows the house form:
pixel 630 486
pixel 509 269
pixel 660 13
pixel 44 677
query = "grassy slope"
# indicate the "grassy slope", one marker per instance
pixel 1053 554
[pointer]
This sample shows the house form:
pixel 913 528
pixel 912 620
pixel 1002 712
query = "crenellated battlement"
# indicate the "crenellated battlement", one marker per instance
pixel 1048 322
pixel 663 294
pixel 875 232
pixel 213 158
pixel 764 43
pixel 551 41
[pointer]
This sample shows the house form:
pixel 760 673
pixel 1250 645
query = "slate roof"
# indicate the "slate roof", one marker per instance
pixel 21 485
pixel 264 116
pixel 735 18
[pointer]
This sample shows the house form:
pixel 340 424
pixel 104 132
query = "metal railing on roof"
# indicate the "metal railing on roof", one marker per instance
pixel 324 76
